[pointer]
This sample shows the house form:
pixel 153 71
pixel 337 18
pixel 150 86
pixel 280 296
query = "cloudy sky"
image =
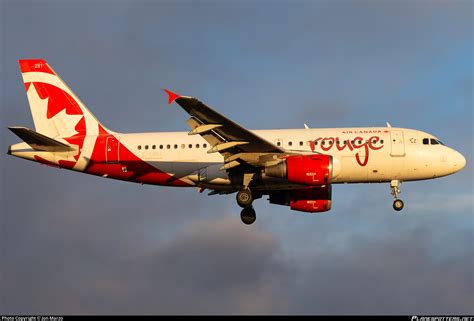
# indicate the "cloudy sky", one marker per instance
pixel 74 243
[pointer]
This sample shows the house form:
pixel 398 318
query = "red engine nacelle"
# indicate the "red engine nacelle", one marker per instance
pixel 313 170
pixel 308 200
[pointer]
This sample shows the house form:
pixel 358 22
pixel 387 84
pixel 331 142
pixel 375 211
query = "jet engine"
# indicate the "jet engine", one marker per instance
pixel 312 170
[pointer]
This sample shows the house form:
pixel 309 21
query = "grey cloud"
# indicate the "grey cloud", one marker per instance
pixel 218 266
pixel 209 266
pixel 392 276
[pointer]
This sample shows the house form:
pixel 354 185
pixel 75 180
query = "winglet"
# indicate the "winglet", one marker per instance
pixel 171 96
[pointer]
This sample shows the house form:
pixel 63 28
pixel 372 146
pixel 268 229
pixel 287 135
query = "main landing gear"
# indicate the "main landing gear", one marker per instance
pixel 395 187
pixel 245 200
pixel 248 215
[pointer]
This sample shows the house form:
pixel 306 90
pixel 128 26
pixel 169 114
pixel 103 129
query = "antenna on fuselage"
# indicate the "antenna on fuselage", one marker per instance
pixel 388 124
pixel 306 126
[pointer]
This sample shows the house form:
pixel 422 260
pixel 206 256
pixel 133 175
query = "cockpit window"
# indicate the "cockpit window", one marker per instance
pixel 432 141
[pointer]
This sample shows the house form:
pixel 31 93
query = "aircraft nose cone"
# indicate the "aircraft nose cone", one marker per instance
pixel 459 162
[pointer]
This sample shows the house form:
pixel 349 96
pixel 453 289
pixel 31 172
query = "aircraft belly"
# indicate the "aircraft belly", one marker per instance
pixel 179 169
pixel 380 168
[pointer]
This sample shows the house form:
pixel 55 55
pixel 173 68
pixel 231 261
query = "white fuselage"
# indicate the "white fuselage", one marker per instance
pixel 361 154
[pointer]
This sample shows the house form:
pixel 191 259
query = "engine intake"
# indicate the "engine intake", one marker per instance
pixel 313 170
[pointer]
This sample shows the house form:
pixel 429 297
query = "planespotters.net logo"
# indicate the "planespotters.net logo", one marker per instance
pixel 416 318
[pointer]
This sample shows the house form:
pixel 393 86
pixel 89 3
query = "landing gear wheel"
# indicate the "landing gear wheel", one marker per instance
pixel 248 215
pixel 244 198
pixel 395 187
pixel 397 205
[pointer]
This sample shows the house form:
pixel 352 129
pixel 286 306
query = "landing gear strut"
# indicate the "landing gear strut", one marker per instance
pixel 395 187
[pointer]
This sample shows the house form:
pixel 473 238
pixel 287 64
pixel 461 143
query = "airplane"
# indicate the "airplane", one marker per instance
pixel 293 167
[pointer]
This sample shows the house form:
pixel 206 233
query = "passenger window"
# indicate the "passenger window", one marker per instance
pixel 434 141
pixel 278 143
pixel 146 146
pixel 161 146
pixel 315 142
pixel 381 141
pixel 426 141
pixel 154 147
pixel 197 145
pixel 301 143
pixel 323 143
pixel 139 147
pixel 168 146
pixel 175 146
pixel 183 146
pixel 204 145
pixel 290 143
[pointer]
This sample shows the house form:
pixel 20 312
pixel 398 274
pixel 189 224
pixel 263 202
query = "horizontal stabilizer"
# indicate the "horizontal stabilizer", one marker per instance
pixel 39 141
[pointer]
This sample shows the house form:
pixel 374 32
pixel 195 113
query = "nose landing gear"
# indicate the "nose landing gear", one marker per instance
pixel 395 187
pixel 397 205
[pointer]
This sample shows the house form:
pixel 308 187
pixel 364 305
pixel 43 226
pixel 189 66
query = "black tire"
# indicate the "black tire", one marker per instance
pixel 398 205
pixel 248 215
pixel 244 198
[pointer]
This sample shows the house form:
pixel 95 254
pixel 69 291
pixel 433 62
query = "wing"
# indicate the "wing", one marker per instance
pixel 233 141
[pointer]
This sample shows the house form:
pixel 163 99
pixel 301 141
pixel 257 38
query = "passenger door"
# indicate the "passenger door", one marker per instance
pixel 397 143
